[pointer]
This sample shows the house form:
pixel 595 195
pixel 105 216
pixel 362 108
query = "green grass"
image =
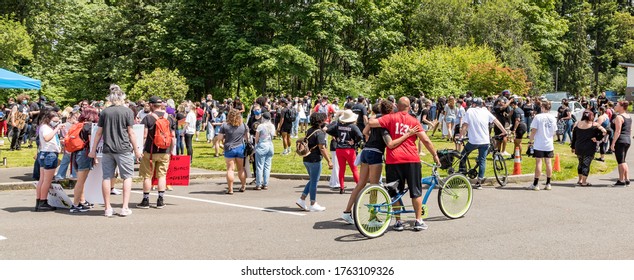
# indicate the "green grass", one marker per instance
pixel 203 158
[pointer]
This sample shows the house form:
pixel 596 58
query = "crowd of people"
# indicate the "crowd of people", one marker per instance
pixel 363 136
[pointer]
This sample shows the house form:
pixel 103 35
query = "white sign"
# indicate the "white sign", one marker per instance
pixel 92 187
pixel 92 141
pixel 139 130
pixel 630 76
pixel 58 198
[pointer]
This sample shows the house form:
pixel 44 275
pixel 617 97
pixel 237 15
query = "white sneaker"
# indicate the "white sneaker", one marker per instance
pixel 375 223
pixel 302 204
pixel 316 208
pixel 115 191
pixel 108 213
pixel 532 187
pixel 348 218
pixel 125 212
pixel 196 139
pixel 506 154
pixel 548 187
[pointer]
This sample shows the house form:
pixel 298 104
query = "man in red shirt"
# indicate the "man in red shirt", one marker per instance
pixel 402 162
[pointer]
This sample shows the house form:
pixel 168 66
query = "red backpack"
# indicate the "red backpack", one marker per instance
pixel 162 133
pixel 72 142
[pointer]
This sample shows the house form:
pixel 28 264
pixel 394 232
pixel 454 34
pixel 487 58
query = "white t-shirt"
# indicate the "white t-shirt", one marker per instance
pixel 478 120
pixel 141 114
pixel 546 126
pixel 301 111
pixel 191 123
pixel 50 146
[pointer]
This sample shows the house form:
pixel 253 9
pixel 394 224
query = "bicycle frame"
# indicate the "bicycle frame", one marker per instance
pixel 432 181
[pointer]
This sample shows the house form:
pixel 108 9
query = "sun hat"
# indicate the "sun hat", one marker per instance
pixel 348 116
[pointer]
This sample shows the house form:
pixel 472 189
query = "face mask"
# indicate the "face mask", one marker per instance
pixel 53 124
pixel 25 102
pixel 257 112
pixel 147 111
pixel 187 110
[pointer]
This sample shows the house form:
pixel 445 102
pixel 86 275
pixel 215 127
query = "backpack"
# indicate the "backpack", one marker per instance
pixel 301 145
pixel 73 141
pixel 291 115
pixel 162 134
pixel 323 109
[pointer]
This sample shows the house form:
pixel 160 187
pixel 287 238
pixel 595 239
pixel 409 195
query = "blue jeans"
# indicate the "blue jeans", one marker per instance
pixel 528 121
pixel 314 172
pixel 481 160
pixel 209 129
pixel 180 148
pixel 63 168
pixel 295 127
pixel 263 157
pixel 567 130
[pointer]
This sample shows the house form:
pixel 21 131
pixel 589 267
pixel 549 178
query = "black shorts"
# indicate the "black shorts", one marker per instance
pixel 456 130
pixel 620 151
pixel 286 129
pixel 496 130
pixel 520 131
pixel 405 172
pixel 543 154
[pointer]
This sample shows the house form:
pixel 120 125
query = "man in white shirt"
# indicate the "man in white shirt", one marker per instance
pixel 543 129
pixel 476 122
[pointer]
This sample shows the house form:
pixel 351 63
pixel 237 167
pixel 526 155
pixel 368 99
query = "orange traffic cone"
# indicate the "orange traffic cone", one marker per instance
pixel 556 167
pixel 517 166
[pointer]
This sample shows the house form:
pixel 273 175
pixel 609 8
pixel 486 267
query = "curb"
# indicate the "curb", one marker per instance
pixel 488 182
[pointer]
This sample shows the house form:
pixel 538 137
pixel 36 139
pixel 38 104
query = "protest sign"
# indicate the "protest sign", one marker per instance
pixel 58 198
pixel 177 172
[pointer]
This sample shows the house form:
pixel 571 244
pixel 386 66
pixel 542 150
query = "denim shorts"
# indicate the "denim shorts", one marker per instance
pixel 81 161
pixel 48 160
pixel 236 152
pixel 451 120
pixel 371 157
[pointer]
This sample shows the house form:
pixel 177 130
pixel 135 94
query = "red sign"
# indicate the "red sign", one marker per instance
pixel 177 172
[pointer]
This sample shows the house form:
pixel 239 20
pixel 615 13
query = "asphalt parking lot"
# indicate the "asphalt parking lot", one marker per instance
pixel 201 222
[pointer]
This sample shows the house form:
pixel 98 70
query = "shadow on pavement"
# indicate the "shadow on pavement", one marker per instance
pixel 19 209
pixel 218 192
pixel 26 177
pixel 334 224
pixel 355 237
pixel 283 208
pixel 437 219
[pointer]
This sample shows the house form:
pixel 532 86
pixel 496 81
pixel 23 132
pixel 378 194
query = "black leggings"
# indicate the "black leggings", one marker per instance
pixel 620 151
pixel 188 144
pixel 584 164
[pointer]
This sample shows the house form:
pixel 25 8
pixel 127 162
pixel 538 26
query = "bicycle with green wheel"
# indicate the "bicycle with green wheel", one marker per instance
pixel 374 207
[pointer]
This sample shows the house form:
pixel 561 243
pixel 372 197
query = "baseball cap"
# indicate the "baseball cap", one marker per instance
pixel 155 99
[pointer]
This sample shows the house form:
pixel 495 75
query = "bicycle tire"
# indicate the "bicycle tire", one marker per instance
pixel 500 169
pixel 370 222
pixel 455 196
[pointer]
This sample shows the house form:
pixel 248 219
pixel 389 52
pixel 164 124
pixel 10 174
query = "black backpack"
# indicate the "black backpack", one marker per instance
pixel 291 115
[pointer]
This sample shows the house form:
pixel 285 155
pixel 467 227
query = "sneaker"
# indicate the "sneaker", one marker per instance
pixel 375 223
pixel 627 183
pixel 159 203
pixel 599 159
pixel 57 178
pixel 44 206
pixel 477 186
pixel 80 208
pixel 506 154
pixel 302 204
pixel 125 212
pixel 88 204
pixel 348 218
pixel 418 226
pixel 115 191
pixel 145 204
pixel 547 187
pixel 196 139
pixel 398 226
pixel 316 208
pixel 532 187
pixel 335 188
pixel 618 184
pixel 108 212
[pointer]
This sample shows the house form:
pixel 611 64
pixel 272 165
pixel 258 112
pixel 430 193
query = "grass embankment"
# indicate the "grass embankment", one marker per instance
pixel 204 158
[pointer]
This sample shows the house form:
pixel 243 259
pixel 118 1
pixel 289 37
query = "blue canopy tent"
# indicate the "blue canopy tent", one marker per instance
pixel 9 79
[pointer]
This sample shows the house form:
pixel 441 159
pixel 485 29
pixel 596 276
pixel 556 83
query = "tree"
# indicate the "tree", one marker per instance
pixel 489 78
pixel 15 44
pixel 164 83
pixel 574 75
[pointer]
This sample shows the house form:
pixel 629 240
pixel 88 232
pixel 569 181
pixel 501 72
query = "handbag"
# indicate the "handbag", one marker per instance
pixel 249 149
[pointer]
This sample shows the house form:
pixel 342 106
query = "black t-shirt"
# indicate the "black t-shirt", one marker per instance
pixel 287 123
pixel 150 123
pixel 602 100
pixel 318 138
pixel 424 113
pixel 498 112
pixel 562 112
pixel 347 135
pixel 361 111
pixel 375 140
pixel 528 109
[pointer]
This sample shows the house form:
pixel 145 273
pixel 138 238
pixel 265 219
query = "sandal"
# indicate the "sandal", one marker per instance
pixel 257 188
pixel 265 187
pixel 586 185
pixel 243 188
pixel 228 192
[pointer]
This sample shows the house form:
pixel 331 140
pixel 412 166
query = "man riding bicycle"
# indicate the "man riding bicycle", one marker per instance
pixel 476 123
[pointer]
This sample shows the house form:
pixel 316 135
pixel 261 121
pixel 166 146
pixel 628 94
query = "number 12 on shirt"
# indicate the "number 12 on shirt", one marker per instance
pixel 401 129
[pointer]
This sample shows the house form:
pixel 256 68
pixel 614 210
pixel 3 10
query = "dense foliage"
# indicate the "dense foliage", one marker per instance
pixel 371 47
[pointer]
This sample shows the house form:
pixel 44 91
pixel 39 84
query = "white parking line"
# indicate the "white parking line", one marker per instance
pixel 2 237
pixel 228 204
